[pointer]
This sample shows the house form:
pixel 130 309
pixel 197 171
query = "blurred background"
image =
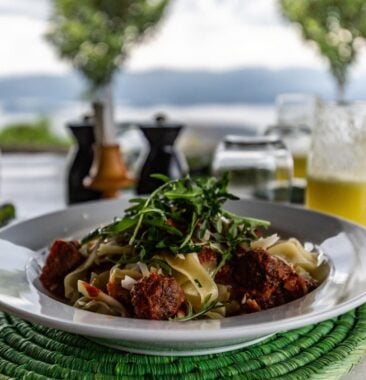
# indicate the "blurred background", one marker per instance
pixel 215 66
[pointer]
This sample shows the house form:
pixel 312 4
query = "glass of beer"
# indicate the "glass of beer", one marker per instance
pixel 336 170
pixel 295 121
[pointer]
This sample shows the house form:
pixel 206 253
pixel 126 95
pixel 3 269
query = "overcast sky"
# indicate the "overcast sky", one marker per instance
pixel 205 34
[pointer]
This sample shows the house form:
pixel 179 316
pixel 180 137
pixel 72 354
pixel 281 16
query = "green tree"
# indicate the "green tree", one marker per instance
pixel 337 27
pixel 97 35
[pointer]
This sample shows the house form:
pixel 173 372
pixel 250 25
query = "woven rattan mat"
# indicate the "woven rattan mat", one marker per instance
pixel 326 351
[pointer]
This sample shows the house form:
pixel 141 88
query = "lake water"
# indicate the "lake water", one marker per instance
pixel 249 116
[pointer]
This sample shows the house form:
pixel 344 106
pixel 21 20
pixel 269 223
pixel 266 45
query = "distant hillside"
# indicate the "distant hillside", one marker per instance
pixel 236 86
pixel 249 85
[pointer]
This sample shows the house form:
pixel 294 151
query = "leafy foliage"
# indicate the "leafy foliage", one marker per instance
pixel 31 136
pixel 207 305
pixel 337 27
pixel 177 216
pixel 97 35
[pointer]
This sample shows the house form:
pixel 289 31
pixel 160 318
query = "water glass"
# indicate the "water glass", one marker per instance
pixel 297 140
pixel 297 109
pixel 296 115
pixel 259 167
pixel 337 162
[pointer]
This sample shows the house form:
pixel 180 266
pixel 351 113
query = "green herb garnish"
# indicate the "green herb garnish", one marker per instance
pixel 206 307
pixel 177 216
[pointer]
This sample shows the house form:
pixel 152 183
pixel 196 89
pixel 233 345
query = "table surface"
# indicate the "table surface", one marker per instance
pixel 36 184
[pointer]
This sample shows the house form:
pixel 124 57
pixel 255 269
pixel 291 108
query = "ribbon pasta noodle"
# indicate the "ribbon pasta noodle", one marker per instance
pixel 293 252
pixel 71 280
pixel 197 284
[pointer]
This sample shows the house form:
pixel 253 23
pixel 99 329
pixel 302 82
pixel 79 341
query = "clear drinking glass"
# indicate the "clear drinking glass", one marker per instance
pixel 297 140
pixel 337 162
pixel 259 167
pixel 297 109
pixel 295 120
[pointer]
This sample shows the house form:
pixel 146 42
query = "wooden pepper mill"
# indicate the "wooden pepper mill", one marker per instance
pixel 108 173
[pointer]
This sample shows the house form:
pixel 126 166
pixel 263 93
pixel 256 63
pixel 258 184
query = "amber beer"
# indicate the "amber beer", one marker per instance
pixel 336 169
pixel 300 162
pixel 339 197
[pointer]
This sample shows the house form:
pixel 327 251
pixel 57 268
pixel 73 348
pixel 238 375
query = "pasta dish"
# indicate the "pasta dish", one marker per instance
pixel 179 255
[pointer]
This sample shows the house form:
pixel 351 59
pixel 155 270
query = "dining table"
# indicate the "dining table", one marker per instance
pixel 36 185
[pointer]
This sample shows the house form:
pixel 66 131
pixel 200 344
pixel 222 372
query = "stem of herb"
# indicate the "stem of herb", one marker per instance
pixel 148 200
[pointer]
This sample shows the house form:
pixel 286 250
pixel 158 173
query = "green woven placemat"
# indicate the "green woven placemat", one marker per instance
pixel 325 351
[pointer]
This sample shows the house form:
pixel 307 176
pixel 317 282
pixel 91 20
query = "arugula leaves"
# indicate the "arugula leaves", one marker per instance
pixel 206 306
pixel 177 216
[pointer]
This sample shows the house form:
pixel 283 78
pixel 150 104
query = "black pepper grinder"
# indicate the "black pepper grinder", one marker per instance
pixel 163 158
pixel 80 161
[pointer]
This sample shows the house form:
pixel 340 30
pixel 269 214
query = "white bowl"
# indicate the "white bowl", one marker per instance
pixel 23 248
